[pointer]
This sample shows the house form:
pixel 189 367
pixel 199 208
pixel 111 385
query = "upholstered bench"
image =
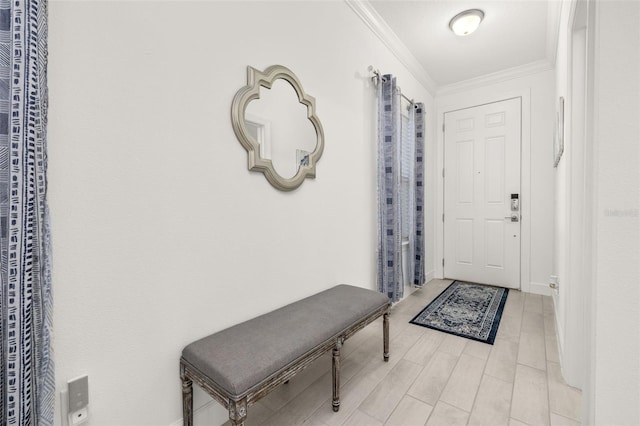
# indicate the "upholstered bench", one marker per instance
pixel 243 363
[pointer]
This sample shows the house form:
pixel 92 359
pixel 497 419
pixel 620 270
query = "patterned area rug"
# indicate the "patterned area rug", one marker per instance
pixel 467 310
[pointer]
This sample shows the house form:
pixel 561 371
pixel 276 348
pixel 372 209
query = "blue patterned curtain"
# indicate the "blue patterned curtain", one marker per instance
pixel 416 234
pixel 26 366
pixel 389 213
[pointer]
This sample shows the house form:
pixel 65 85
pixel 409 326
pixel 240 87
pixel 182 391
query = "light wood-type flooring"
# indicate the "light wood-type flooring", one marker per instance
pixel 434 378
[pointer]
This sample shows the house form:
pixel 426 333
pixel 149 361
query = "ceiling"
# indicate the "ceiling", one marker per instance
pixel 514 33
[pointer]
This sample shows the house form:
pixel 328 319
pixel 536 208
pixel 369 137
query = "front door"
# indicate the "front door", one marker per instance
pixel 482 193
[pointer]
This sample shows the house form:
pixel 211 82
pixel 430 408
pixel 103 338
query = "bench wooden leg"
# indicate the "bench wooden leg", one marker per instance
pixel 336 375
pixel 238 412
pixel 385 336
pixel 187 398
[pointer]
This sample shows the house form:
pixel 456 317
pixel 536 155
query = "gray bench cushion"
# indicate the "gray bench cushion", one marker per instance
pixel 242 356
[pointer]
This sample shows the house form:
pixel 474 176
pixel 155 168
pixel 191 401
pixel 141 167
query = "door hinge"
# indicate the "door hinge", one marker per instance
pixel 442 262
pixel 443 217
pixel 442 172
pixel 442 127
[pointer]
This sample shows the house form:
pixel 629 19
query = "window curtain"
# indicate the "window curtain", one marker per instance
pixel 26 365
pixel 416 202
pixel 389 203
pixel 399 209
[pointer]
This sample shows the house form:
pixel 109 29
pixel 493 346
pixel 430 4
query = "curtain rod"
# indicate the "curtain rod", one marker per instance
pixel 377 77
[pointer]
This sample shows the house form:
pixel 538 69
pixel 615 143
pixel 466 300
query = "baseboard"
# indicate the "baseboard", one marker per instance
pixel 429 276
pixel 205 413
pixel 540 288
pixel 559 336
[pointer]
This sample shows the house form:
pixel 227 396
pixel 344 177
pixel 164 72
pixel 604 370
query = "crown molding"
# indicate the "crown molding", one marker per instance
pixel 497 77
pixel 554 9
pixel 373 20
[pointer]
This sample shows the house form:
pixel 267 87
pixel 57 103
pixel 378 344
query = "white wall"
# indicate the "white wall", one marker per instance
pixel 616 371
pixel 562 221
pixel 539 88
pixel 560 172
pixel 161 235
pixel 610 290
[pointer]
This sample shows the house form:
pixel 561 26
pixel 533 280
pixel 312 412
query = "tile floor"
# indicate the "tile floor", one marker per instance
pixel 434 378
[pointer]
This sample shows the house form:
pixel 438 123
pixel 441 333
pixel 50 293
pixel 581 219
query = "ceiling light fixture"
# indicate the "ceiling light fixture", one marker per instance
pixel 464 23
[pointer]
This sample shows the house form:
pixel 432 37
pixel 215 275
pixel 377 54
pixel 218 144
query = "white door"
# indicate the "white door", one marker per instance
pixel 481 178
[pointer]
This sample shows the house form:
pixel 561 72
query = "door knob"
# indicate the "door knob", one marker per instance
pixel 513 218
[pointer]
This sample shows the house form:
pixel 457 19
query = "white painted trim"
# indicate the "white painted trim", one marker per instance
pixel 553 30
pixel 546 64
pixel 375 22
pixel 578 189
pixel 496 77
pixel 380 28
pixel 199 414
pixel 429 276
pixel 590 289
pixel 559 332
pixel 540 288
pixel 525 180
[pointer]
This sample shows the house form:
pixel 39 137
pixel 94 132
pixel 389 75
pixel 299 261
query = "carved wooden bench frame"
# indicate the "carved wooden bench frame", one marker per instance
pixel 237 404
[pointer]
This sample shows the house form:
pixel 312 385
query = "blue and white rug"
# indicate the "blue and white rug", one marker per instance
pixel 467 310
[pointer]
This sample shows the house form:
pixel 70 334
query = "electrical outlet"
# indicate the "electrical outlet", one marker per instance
pixel 78 417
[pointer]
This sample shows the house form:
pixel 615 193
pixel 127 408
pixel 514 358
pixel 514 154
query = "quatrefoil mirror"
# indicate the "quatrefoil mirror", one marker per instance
pixel 275 121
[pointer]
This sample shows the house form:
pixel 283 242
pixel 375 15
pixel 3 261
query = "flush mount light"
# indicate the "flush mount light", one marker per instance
pixel 464 23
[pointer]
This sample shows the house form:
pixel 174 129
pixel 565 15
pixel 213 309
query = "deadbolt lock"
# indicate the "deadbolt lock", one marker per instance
pixel 515 203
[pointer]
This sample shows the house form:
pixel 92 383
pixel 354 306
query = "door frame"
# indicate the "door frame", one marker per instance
pixel 525 175
pixel 509 275
pixel 572 302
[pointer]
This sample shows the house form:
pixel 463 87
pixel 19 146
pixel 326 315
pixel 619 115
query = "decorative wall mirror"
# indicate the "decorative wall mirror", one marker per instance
pixel 278 127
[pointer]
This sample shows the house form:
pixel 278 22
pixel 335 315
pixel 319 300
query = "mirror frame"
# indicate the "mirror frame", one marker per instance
pixel 250 92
